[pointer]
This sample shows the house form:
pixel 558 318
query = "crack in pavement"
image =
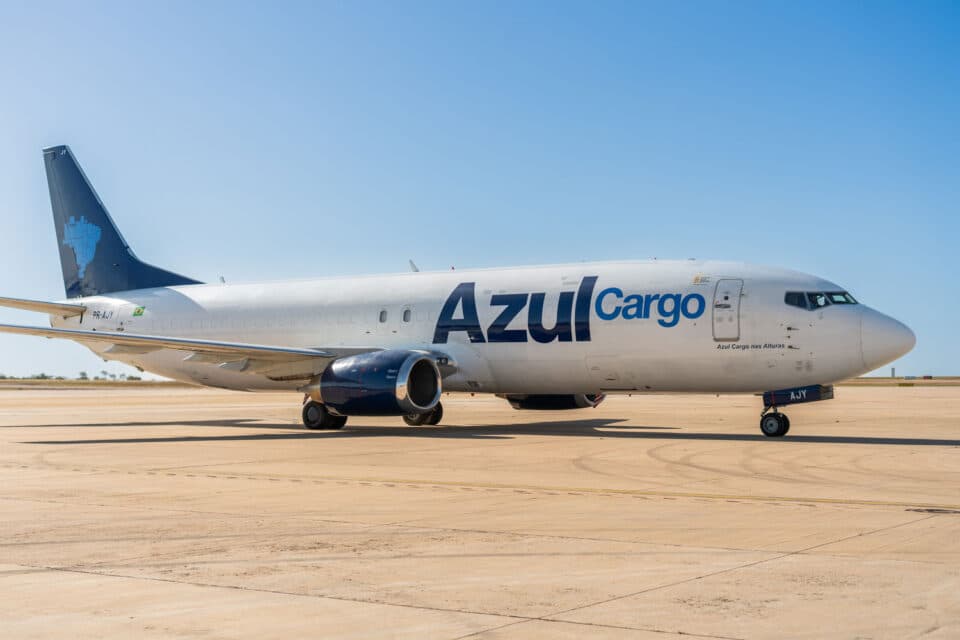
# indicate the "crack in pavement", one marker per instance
pixel 553 617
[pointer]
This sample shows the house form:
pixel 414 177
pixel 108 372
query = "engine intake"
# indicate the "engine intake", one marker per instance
pixel 381 383
pixel 555 402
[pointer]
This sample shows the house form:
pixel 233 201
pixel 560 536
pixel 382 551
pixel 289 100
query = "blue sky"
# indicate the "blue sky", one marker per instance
pixel 272 140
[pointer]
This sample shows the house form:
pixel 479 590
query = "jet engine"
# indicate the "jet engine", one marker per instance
pixel 554 402
pixel 380 383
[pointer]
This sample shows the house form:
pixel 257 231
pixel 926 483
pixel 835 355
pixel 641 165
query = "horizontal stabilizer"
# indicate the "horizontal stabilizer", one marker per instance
pixel 53 308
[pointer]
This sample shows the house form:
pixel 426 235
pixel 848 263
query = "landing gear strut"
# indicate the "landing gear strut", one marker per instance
pixel 315 416
pixel 432 417
pixel 774 424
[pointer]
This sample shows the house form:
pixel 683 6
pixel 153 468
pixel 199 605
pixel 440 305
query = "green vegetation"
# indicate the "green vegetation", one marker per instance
pixel 81 377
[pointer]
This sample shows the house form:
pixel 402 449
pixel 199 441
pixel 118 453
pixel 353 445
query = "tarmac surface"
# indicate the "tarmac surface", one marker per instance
pixel 176 512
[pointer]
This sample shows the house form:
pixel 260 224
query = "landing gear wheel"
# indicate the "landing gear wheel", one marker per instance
pixel 436 415
pixel 432 417
pixel 416 419
pixel 315 416
pixel 774 425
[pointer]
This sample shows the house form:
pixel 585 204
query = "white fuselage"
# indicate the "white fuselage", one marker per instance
pixel 743 339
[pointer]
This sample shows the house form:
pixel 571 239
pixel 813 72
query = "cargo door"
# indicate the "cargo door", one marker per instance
pixel 726 310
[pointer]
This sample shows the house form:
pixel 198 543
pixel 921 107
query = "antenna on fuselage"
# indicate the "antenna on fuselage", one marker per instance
pixel 413 266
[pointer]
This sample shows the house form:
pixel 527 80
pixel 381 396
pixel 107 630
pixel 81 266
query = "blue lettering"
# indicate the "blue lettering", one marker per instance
pixel 669 317
pixel 562 329
pixel 603 315
pixel 573 312
pixel 581 316
pixel 668 308
pixel 513 303
pixel 701 306
pixel 464 293
pixel 648 303
pixel 632 307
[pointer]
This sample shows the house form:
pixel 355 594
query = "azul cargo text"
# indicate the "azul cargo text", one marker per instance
pixel 459 312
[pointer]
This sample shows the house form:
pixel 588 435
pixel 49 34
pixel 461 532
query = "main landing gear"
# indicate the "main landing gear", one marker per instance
pixel 316 416
pixel 774 424
pixel 432 417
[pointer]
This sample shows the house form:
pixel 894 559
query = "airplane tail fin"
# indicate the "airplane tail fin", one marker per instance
pixel 93 255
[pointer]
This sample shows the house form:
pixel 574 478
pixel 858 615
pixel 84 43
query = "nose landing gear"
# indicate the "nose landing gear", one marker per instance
pixel 774 424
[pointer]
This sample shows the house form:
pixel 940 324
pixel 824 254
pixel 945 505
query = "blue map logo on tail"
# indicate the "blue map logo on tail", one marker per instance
pixel 82 237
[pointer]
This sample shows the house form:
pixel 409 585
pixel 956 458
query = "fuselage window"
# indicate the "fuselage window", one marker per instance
pixel 795 299
pixel 406 315
pixel 383 315
pixel 818 300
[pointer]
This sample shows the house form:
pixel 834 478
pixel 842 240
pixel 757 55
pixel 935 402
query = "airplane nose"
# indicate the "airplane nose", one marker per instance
pixel 883 339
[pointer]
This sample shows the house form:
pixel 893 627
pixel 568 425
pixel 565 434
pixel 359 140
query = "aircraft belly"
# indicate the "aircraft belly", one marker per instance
pixel 171 364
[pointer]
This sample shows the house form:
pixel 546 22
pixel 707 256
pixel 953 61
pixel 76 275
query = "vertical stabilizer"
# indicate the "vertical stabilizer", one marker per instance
pixel 93 255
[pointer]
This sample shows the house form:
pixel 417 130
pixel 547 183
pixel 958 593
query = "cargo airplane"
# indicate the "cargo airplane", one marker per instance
pixel 549 337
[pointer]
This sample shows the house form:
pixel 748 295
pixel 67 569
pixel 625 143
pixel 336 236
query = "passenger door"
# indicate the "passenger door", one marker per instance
pixel 726 310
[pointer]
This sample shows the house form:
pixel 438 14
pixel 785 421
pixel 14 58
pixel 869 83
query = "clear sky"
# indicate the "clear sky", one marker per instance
pixel 272 140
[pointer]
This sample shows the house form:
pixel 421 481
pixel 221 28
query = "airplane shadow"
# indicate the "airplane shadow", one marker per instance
pixel 603 428
pixel 239 423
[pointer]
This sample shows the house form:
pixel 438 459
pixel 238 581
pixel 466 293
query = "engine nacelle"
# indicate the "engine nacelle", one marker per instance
pixel 380 383
pixel 555 403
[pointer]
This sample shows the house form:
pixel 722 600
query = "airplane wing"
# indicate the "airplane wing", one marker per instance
pixel 277 363
pixel 53 308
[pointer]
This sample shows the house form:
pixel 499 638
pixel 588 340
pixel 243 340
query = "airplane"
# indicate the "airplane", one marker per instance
pixel 556 337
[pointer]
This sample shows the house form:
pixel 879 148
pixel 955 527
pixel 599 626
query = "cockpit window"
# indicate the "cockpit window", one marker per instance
pixel 841 297
pixel 817 299
pixel 796 299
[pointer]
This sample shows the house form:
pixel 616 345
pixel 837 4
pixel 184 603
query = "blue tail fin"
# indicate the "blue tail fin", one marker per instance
pixel 93 255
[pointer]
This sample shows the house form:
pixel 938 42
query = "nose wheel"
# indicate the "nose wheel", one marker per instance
pixel 774 424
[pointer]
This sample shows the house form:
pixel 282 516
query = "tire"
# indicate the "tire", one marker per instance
pixel 786 423
pixel 416 419
pixel 432 417
pixel 774 425
pixel 436 415
pixel 315 416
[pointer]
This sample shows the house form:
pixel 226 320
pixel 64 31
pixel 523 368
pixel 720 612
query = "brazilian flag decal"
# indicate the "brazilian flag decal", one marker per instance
pixel 138 312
